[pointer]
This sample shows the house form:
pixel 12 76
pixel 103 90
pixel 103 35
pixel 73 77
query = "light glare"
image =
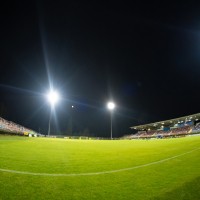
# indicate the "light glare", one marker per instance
pixel 111 105
pixel 53 97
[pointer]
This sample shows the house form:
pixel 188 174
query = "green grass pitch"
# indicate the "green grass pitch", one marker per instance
pixel 47 168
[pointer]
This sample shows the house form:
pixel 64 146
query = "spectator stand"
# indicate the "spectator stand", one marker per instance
pixel 177 127
pixel 13 128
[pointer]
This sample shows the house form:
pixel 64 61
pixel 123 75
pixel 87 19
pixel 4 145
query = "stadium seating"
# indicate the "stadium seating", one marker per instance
pixel 181 130
pixel 196 128
pixel 161 133
pixel 12 127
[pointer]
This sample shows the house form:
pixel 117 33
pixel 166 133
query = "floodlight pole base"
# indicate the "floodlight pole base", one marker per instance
pixel 49 129
pixel 111 125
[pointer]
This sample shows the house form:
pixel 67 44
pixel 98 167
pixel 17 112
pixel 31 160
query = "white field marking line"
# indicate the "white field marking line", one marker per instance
pixel 98 173
pixel 5 140
pixel 11 140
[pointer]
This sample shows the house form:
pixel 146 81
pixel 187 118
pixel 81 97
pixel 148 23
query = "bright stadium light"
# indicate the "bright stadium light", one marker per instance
pixel 111 107
pixel 53 97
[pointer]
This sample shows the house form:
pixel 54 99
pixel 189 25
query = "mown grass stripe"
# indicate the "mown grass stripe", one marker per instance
pixel 98 173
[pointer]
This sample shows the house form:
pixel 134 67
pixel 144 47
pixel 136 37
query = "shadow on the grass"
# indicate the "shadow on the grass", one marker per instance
pixel 187 191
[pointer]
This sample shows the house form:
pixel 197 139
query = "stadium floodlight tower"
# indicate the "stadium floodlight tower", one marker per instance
pixel 111 107
pixel 53 98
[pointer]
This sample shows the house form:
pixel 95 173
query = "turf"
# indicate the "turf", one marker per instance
pixel 177 178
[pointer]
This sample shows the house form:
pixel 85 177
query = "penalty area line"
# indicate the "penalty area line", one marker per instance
pixel 98 173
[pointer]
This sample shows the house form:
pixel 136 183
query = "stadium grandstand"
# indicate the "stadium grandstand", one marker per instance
pixel 10 127
pixel 177 127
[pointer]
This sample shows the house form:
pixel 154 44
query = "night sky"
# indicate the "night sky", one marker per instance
pixel 143 56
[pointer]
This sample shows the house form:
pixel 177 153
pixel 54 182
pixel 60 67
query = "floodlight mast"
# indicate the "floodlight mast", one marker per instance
pixel 111 107
pixel 53 98
pixel 49 123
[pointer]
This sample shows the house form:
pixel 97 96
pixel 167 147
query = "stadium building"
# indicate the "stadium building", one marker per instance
pixel 9 127
pixel 177 127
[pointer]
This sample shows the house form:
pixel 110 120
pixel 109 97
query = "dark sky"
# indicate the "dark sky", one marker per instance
pixel 143 56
